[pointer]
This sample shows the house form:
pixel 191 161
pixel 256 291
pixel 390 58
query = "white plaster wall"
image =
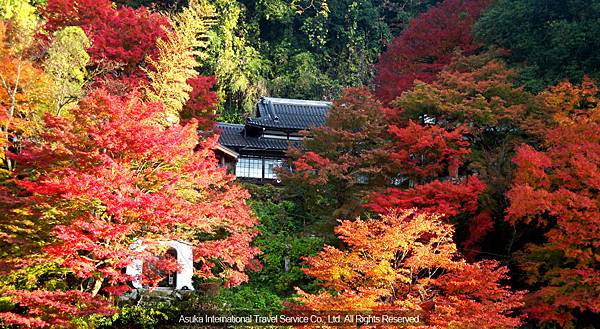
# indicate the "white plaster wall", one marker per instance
pixel 185 259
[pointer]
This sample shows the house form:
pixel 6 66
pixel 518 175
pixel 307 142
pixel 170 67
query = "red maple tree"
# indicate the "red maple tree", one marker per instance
pixel 109 177
pixel 426 46
pixel 556 189
pixel 53 309
pixel 447 169
pixel 121 37
pixel 341 160
pixel 425 162
pixel 202 103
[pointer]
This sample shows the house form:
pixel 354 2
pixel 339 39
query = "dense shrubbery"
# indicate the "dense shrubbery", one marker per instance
pixel 285 238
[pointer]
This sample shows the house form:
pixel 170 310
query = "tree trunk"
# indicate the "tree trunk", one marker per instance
pixel 97 286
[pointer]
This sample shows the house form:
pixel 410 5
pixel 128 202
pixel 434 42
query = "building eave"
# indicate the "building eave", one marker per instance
pixel 227 151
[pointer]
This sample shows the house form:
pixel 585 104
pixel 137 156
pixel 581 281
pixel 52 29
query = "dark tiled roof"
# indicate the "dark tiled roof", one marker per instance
pixel 289 114
pixel 232 136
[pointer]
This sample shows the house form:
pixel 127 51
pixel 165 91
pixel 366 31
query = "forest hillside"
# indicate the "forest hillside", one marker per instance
pixel 453 183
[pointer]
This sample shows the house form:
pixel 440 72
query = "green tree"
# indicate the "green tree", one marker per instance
pixel 284 240
pixel 357 36
pixel 65 64
pixel 322 46
pixel 234 61
pixel 398 13
pixel 550 40
pixel 304 80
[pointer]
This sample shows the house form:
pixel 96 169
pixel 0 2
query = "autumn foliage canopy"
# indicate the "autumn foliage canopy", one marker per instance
pixel 407 261
pixel 556 188
pixel 449 187
pixel 115 177
pixel 122 38
pixel 427 45
pixel 87 191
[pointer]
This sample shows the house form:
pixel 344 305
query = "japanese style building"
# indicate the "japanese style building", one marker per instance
pixel 253 150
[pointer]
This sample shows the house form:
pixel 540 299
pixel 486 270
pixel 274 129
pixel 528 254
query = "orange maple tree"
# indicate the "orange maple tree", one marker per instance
pixel 24 90
pixel 408 261
pixel 556 189
pixel 477 91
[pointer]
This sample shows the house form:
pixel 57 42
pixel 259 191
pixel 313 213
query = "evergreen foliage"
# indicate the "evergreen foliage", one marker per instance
pixel 549 40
